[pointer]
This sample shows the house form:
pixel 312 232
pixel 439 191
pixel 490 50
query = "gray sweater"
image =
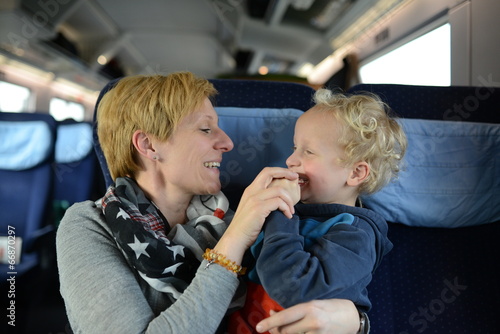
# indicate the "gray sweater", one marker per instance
pixel 103 294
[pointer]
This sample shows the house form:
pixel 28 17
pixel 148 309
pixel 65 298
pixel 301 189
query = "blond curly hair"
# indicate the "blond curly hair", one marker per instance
pixel 369 133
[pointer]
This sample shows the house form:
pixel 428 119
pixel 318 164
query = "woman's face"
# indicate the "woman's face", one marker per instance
pixel 191 157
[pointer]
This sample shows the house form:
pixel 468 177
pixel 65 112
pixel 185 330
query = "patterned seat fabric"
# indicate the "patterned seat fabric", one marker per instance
pixel 440 280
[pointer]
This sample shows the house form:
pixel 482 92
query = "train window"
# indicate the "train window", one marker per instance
pixel 13 98
pixel 61 109
pixel 425 60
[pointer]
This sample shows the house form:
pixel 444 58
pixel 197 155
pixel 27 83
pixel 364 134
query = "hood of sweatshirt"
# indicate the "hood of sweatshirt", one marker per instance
pixel 363 219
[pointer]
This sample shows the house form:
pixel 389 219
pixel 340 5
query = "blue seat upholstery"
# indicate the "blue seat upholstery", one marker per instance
pixel 450 103
pixel 259 116
pixel 262 94
pixel 97 146
pixel 26 157
pixel 441 279
pixel 75 164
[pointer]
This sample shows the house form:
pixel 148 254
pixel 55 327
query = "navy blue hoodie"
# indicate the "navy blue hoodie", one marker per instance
pixel 331 251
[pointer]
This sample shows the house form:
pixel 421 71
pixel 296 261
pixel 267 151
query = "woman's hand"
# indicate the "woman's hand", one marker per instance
pixel 257 202
pixel 332 316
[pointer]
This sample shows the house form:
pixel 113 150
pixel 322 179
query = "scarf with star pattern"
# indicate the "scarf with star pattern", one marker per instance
pixel 166 258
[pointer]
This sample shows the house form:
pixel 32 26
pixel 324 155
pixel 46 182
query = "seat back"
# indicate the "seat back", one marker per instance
pixel 75 164
pixel 95 138
pixel 443 103
pixel 259 116
pixel 26 155
pixel 444 214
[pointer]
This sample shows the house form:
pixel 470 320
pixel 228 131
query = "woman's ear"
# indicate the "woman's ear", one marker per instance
pixel 143 144
pixel 359 173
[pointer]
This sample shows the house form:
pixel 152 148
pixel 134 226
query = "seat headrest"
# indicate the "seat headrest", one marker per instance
pixel 97 146
pixel 27 140
pixel 445 103
pixel 451 178
pixel 74 142
pixel 262 137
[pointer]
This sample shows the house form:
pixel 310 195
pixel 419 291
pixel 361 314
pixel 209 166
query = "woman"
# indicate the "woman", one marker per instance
pixel 157 252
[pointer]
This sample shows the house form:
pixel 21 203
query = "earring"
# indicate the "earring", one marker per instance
pixel 155 157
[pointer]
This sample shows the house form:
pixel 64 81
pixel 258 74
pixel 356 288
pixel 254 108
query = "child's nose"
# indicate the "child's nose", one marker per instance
pixel 292 161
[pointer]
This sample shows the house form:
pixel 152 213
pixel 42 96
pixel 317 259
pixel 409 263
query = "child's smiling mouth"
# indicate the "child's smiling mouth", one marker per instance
pixel 303 181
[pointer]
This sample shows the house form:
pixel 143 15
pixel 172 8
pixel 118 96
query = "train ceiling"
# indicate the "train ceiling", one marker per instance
pixel 88 40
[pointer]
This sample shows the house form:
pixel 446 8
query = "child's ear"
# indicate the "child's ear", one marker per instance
pixel 359 173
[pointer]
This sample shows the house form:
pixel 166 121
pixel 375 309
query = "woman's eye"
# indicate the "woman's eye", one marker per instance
pixel 206 130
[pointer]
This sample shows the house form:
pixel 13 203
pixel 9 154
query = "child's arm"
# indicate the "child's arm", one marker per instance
pixel 338 265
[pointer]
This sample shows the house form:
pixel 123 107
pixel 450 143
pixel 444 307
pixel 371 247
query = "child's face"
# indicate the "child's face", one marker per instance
pixel 316 159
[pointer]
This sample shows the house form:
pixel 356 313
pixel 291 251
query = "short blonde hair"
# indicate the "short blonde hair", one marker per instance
pixel 369 133
pixel 154 104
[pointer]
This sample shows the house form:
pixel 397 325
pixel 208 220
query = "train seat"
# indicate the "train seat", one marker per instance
pixel 95 139
pixel 26 157
pixel 444 214
pixel 75 165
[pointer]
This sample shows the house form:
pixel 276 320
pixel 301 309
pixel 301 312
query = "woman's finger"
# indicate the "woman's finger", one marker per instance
pixel 283 200
pixel 263 198
pixel 279 319
pixel 268 174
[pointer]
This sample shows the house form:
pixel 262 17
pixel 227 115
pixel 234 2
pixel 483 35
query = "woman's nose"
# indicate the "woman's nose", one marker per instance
pixel 225 143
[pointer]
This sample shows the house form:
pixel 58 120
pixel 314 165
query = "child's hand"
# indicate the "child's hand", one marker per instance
pixel 291 186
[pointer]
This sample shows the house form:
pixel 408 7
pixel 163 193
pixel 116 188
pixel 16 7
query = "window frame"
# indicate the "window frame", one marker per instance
pixel 439 23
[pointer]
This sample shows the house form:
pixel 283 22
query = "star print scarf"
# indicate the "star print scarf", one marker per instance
pixel 166 258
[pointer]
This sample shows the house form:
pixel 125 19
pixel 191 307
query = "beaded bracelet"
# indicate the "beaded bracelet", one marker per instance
pixel 213 257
